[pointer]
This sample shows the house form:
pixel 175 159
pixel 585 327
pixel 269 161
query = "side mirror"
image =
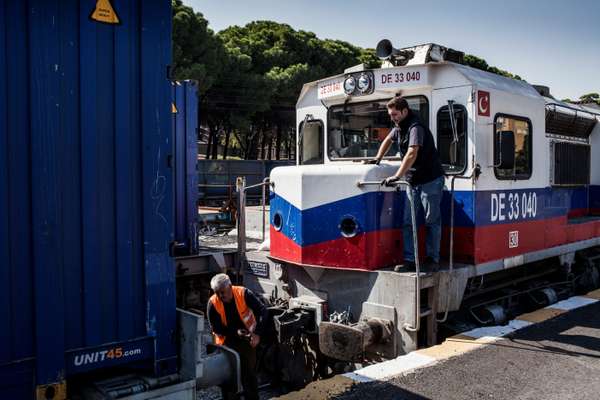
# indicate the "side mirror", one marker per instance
pixel 504 157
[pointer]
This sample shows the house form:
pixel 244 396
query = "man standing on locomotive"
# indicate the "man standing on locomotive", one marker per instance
pixel 237 318
pixel 422 168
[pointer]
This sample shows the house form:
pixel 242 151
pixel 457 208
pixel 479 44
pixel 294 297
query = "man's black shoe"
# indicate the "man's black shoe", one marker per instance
pixel 430 265
pixel 408 266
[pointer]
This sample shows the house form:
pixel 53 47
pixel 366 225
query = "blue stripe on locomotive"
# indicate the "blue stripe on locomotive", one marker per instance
pixel 383 210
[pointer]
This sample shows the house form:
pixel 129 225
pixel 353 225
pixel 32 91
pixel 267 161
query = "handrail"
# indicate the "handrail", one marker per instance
pixel 475 173
pixel 214 185
pixel 241 188
pixel 569 107
pixel 263 183
pixel 451 250
pixel 417 325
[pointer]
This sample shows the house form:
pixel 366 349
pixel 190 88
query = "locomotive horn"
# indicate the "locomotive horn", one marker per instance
pixel 385 49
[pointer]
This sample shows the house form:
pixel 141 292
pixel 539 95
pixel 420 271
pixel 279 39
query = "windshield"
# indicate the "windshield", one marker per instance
pixel 357 130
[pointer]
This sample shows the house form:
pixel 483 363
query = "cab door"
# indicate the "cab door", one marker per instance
pixel 311 142
pixel 451 123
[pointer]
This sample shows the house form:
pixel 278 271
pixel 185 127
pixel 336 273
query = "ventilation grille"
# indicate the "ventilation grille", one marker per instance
pixel 570 124
pixel 570 164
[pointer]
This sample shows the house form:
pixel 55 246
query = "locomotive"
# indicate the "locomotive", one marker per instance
pixel 520 210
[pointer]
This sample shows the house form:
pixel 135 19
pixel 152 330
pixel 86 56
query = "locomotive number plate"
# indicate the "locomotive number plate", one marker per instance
pixel 258 269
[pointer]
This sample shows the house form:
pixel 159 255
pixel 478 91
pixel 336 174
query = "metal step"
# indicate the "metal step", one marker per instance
pixel 425 312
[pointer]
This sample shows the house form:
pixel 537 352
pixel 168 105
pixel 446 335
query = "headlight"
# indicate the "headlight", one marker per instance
pixel 277 221
pixel 364 83
pixel 348 226
pixel 349 85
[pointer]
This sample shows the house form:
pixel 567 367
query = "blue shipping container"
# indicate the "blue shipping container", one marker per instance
pixel 86 192
pixel 185 129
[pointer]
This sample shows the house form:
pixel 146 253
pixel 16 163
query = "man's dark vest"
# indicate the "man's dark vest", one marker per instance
pixel 427 166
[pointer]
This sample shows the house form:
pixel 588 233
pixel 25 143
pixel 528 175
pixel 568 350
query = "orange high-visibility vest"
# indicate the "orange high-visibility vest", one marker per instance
pixel 246 314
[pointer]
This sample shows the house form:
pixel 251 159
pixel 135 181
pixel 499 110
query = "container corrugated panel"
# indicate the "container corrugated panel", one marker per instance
pixel 86 207
pixel 185 128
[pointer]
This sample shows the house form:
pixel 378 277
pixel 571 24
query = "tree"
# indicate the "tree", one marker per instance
pixel 590 98
pixel 479 63
pixel 235 99
pixel 369 58
pixel 281 60
pixel 197 52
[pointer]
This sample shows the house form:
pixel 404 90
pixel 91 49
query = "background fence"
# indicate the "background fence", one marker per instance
pixel 216 178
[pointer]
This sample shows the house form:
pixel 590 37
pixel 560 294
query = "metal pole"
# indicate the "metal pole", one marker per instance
pixel 451 251
pixel 240 185
pixel 413 218
pixel 474 173
pixel 264 200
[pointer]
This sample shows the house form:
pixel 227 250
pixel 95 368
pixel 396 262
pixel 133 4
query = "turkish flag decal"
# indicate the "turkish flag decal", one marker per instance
pixel 483 103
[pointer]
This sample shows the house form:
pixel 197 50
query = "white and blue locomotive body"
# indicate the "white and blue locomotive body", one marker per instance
pixel 525 174
pixel 502 218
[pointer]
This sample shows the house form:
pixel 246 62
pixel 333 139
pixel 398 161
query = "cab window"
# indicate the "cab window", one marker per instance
pixel 311 142
pixel 452 150
pixel 355 131
pixel 521 128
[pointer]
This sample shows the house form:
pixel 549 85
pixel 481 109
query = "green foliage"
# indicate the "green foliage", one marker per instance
pixel 476 62
pixel 370 59
pixel 479 63
pixel 197 52
pixel 287 58
pixel 286 81
pixel 590 98
pixel 245 72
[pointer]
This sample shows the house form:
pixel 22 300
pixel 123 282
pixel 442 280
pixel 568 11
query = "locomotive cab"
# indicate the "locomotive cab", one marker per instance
pixel 341 123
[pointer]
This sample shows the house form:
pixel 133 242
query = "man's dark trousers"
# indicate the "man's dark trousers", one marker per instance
pixel 248 360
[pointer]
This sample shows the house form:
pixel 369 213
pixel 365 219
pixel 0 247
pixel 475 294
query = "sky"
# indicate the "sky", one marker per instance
pixel 548 42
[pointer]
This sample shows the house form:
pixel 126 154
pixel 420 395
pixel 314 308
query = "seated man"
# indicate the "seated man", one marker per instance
pixel 237 318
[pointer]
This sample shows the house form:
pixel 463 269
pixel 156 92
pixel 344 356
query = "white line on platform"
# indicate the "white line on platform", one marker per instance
pixel 496 331
pixel 390 368
pixel 572 303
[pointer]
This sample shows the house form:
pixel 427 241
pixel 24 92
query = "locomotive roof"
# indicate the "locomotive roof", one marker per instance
pixel 486 80
pixel 490 80
pixel 482 79
pixel 571 108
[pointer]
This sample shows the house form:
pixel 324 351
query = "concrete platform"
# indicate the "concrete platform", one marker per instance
pixel 551 354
